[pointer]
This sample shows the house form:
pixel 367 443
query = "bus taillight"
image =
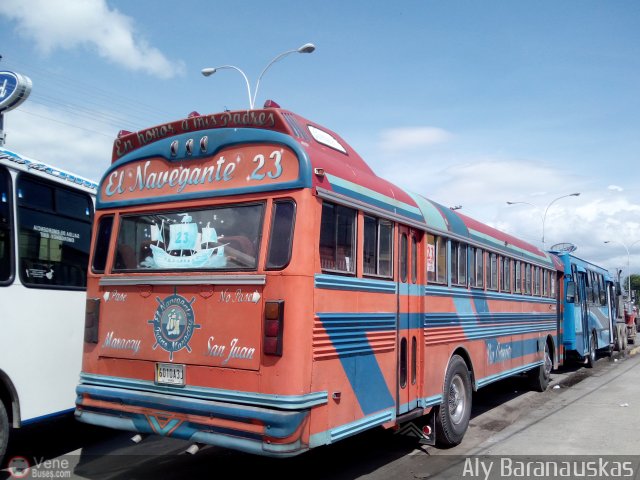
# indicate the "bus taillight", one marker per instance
pixel 273 327
pixel 91 320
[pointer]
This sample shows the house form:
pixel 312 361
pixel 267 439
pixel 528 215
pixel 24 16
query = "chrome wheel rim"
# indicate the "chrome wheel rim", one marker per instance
pixel 548 364
pixel 457 399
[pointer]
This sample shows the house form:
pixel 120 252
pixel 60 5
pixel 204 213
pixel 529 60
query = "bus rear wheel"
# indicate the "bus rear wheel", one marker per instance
pixel 4 432
pixel 539 377
pixel 452 418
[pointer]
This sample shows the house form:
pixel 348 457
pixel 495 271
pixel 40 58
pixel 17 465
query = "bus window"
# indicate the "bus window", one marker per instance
pixel 221 238
pixel 403 258
pixel 472 266
pixel 518 277
pixel 506 275
pixel 337 238
pixel 436 259
pixel 102 244
pixel 281 237
pixel 54 234
pixel 6 234
pixel 480 268
pixel 493 272
pixel 378 252
pixel 414 259
pixel 527 279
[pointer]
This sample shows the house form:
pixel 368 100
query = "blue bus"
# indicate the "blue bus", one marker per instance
pixel 587 322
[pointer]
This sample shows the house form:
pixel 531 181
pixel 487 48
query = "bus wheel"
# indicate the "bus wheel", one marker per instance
pixel 540 376
pixel 452 418
pixel 4 432
pixel 619 345
pixel 591 357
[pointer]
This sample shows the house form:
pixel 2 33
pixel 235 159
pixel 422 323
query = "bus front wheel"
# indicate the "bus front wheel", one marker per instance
pixel 452 418
pixel 4 432
pixel 591 357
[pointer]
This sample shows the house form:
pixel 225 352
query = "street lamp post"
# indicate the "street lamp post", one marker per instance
pixel 306 48
pixel 628 262
pixel 544 217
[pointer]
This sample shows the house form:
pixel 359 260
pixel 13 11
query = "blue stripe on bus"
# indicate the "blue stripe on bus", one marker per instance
pixel 348 429
pixel 281 423
pixel 507 373
pixel 480 297
pixel 454 222
pixel 411 321
pixel 340 186
pixel 285 402
pixel 340 282
pixel 348 334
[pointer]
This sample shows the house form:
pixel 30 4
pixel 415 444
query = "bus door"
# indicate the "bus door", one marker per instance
pixel 409 325
pixel 582 324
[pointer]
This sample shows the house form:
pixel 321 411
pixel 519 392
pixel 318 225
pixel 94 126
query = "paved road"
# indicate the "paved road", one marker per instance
pixel 585 411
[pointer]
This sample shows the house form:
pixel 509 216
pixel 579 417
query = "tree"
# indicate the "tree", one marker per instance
pixel 635 286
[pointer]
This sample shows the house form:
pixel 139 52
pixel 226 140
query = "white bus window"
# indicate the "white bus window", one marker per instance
pixel 223 238
pixel 6 230
pixel 337 238
pixel 54 234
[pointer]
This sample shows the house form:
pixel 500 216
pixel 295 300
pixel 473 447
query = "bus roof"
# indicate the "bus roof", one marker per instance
pixel 335 171
pixel 26 164
pixel 570 259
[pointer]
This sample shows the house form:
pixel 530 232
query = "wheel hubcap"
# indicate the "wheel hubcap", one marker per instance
pixel 457 399
pixel 548 364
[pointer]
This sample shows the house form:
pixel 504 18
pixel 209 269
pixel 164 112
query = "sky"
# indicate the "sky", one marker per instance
pixel 468 103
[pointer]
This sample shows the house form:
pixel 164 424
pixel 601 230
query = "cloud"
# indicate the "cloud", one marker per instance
pixel 483 185
pixel 615 188
pixel 89 24
pixel 83 151
pixel 412 137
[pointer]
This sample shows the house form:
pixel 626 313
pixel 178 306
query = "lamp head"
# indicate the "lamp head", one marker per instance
pixel 208 71
pixel 307 48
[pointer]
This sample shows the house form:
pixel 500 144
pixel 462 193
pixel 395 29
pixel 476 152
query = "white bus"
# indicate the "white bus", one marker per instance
pixel 45 229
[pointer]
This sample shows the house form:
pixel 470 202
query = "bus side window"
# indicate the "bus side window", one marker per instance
pixel 378 247
pixel 436 259
pixel 337 238
pixel 6 230
pixel 55 234
pixel 102 244
pixel 281 236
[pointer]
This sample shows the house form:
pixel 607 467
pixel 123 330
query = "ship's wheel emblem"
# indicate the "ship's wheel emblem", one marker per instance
pixel 173 324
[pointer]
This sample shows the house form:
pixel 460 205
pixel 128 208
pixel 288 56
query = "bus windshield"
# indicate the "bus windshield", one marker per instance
pixel 221 238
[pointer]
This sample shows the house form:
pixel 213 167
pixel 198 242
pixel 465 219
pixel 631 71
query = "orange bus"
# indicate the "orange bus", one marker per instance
pixel 254 285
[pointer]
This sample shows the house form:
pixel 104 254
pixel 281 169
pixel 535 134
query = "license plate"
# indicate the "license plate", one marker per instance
pixel 170 374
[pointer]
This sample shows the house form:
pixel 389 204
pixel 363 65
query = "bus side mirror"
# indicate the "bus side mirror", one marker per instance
pixel 571 292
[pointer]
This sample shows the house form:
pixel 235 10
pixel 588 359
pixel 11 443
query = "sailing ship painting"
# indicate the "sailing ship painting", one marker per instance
pixel 185 237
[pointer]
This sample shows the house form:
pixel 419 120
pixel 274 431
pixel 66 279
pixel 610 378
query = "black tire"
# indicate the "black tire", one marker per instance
pixel 625 340
pixel 539 377
pixel 452 416
pixel 591 357
pixel 4 432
